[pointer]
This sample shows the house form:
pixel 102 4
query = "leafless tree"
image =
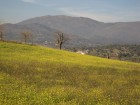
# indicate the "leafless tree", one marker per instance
pixel 26 36
pixel 61 39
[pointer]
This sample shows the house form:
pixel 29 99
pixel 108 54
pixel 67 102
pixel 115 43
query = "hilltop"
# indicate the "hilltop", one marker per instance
pixel 32 74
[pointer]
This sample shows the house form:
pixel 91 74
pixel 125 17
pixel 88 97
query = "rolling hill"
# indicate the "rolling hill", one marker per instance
pixel 37 75
pixel 81 31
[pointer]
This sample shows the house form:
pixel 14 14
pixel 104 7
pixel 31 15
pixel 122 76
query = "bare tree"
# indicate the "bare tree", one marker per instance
pixel 1 32
pixel 26 36
pixel 61 39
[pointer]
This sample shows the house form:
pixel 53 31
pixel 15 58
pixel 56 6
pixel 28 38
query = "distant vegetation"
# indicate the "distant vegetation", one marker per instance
pixel 117 52
pixel 35 75
pixel 120 52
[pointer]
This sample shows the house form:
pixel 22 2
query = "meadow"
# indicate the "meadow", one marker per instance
pixel 36 75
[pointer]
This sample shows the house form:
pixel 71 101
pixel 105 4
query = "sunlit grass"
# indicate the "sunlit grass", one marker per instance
pixel 35 75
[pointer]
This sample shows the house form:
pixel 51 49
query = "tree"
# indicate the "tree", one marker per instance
pixel 26 36
pixel 60 39
pixel 1 32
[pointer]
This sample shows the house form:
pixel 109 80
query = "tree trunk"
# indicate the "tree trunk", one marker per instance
pixel 60 46
pixel 1 36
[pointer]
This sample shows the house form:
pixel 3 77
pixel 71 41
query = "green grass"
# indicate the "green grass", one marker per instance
pixel 35 75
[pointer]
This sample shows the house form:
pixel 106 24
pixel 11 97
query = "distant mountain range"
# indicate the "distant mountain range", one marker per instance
pixel 80 31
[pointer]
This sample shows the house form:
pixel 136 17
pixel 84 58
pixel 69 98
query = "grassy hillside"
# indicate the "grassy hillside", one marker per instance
pixel 35 75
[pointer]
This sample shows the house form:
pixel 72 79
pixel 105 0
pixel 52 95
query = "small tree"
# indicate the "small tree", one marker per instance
pixel 26 35
pixel 60 39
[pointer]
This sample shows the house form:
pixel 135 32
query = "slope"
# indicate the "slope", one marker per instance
pixel 38 75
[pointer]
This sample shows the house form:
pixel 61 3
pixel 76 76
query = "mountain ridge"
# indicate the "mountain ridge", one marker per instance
pixel 81 30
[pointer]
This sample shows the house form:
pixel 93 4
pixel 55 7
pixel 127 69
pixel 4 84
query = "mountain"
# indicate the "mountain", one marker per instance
pixel 80 31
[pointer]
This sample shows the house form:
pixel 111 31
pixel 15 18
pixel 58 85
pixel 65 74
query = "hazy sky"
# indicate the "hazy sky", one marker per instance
pixel 102 10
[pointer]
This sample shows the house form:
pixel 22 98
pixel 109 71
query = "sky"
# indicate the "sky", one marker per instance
pixel 14 11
